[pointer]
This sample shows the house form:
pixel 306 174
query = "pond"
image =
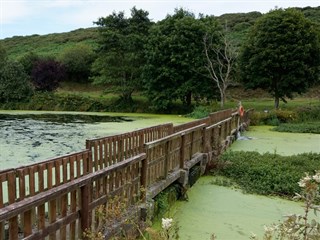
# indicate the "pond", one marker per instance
pixel 28 136
pixel 227 212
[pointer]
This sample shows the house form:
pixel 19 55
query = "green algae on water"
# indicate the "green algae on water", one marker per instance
pixel 228 213
pixel 263 139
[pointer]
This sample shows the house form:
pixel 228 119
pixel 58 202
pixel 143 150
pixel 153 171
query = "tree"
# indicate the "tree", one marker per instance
pixel 14 82
pixel 77 61
pixel 121 53
pixel 221 59
pixel 47 74
pixel 175 60
pixel 282 55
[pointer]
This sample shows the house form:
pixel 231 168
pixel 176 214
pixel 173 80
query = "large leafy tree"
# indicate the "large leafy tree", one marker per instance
pixel 282 54
pixel 14 82
pixel 121 53
pixel 175 60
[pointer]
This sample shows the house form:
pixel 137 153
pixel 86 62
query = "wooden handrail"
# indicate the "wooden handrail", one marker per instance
pixel 173 136
pixel 26 204
pixel 218 123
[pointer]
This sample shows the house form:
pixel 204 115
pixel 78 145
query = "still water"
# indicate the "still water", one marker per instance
pixel 28 137
pixel 227 212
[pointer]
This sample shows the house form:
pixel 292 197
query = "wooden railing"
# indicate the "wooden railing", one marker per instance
pixel 58 198
pixel 113 149
pixel 171 152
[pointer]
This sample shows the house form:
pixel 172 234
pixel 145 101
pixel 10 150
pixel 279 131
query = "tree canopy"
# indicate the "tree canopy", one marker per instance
pixel 282 54
pixel 175 60
pixel 121 53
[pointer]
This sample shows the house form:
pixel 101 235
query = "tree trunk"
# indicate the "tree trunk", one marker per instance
pixel 222 99
pixel 276 102
pixel 188 98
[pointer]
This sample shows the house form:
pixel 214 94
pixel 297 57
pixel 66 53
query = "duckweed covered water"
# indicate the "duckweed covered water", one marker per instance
pixel 28 136
pixel 230 214
pixel 263 139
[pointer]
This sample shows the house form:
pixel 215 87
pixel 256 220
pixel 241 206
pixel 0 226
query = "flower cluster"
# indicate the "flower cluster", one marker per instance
pixel 310 181
pixel 166 223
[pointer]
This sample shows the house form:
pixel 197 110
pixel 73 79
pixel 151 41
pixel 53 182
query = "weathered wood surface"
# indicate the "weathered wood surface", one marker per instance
pixel 57 198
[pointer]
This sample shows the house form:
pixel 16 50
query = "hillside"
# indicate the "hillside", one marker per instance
pixel 54 44
pixel 50 44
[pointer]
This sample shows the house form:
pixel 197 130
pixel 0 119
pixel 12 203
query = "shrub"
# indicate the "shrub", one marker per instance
pixel 47 74
pixel 14 83
pixel 273 118
pixel 269 173
pixel 308 127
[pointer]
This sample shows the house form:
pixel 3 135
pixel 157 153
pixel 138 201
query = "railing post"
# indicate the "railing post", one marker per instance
pixel 204 139
pixel 84 211
pixel 166 159
pixel 182 147
pixel 13 222
pixel 143 176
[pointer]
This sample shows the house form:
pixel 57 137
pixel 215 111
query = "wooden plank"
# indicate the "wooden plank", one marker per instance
pixel 73 208
pixel 41 208
pixel 64 206
pixel 27 223
pixel 52 228
pixel 84 210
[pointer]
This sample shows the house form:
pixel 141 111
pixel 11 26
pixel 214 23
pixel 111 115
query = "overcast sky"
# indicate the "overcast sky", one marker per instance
pixel 27 17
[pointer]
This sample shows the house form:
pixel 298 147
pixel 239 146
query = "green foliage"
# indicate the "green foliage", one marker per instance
pixel 307 127
pixel 273 118
pixel 121 53
pixel 269 173
pixel 282 54
pixel 166 198
pixel 77 61
pixel 175 60
pixel 50 44
pixel 308 113
pixel 3 55
pixel 14 83
pixel 28 61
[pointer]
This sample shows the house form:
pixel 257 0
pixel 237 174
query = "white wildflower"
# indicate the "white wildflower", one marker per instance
pixel 166 223
pixel 303 181
pixel 317 177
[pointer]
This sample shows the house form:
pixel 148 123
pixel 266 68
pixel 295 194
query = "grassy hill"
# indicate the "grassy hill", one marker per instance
pixel 54 44
pixel 50 44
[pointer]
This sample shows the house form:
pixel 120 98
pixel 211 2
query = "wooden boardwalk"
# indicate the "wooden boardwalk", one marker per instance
pixel 58 198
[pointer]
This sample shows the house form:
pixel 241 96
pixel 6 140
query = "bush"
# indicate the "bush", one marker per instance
pixel 310 113
pixel 47 74
pixel 14 83
pixel 273 118
pixel 268 174
pixel 308 127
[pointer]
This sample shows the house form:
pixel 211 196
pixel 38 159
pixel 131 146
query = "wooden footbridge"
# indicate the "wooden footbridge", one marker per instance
pixel 59 198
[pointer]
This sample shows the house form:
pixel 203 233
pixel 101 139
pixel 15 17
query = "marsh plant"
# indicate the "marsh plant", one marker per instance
pixel 295 226
pixel 169 231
